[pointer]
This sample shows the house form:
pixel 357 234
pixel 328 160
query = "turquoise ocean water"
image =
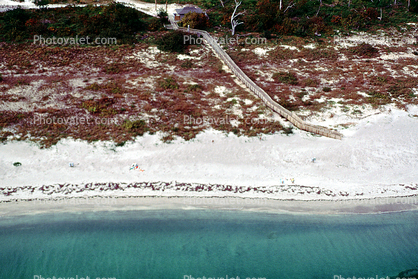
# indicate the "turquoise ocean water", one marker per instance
pixel 191 244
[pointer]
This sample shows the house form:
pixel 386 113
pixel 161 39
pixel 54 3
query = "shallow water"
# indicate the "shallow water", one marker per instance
pixel 210 243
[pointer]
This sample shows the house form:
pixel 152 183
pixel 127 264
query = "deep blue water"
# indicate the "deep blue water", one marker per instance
pixel 171 244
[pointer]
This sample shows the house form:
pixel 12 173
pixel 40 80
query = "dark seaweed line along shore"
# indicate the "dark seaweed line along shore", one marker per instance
pixel 70 188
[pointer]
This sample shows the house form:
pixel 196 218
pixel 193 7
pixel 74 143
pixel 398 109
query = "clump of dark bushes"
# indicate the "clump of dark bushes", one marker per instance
pixel 114 20
pixel 364 50
pixel 168 83
pixel 195 20
pixel 138 127
pixel 288 78
pixel 171 42
pixel 174 41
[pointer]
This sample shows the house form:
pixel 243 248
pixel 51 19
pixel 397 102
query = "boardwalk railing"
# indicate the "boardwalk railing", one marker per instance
pixel 290 116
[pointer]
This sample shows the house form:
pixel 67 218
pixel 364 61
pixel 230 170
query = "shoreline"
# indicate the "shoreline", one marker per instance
pixel 260 205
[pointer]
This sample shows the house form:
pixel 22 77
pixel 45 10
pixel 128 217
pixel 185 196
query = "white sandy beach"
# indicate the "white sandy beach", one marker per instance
pixel 377 158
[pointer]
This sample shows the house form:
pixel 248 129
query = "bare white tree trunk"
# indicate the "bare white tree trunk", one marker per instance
pixel 222 3
pixel 409 3
pixel 381 14
pixel 320 5
pixel 281 5
pixel 291 5
pixel 234 22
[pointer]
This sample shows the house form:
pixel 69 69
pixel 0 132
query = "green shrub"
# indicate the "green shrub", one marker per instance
pixel 91 106
pixel 168 83
pixel 93 86
pixel 195 20
pixel 186 64
pixel 163 16
pixel 172 42
pixel 12 24
pixel 138 127
pixel 378 95
pixel 99 106
pixel 377 98
pixel 131 125
pixel 287 105
pixel 155 24
pixel 310 82
pixel 364 49
pixel 399 90
pixel 288 78
pixel 193 88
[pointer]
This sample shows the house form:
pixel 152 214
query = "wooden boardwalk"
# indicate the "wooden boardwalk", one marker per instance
pixel 290 116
